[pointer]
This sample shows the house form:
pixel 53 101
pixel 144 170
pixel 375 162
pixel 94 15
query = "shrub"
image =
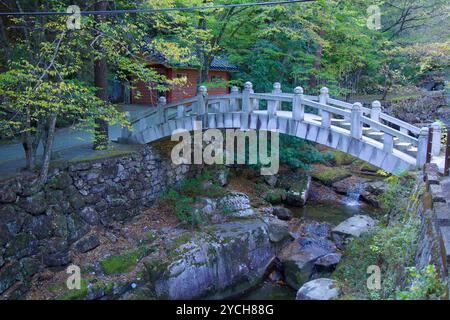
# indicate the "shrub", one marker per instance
pixel 424 285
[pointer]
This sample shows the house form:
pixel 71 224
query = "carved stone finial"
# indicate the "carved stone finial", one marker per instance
pixel 162 100
pixel 248 85
pixel 298 90
pixel 357 106
pixel 423 131
pixel 277 86
pixel 324 90
pixel 234 89
pixel 203 90
pixel 376 104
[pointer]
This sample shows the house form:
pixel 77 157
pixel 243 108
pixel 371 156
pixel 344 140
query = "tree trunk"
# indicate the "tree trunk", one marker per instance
pixel 101 82
pixel 48 146
pixel 313 82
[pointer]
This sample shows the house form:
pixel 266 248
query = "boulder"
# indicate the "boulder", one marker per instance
pixel 328 262
pixel 299 257
pixel 236 205
pixel 348 185
pixel 350 228
pixel 278 229
pixel 297 188
pixel 271 180
pixel 87 244
pixel 90 215
pixel 319 289
pixel 225 259
pixel 282 213
pixel 34 204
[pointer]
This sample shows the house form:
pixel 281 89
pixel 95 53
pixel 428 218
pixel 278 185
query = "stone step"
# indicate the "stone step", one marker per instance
pixel 442 213
pixel 402 146
pixel 376 135
pixel 412 151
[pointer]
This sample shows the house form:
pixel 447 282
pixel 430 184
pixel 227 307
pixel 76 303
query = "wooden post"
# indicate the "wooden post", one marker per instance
pixel 233 100
pixel 436 148
pixel 422 147
pixel 273 105
pixel 246 103
pixel 201 100
pixel 376 111
pixel 323 99
pixel 298 110
pixel 356 125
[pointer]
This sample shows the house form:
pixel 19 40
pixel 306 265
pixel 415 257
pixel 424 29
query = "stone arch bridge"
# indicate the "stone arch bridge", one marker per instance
pixel 366 133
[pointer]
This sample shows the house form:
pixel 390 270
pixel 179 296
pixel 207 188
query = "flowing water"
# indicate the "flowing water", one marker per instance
pixel 331 213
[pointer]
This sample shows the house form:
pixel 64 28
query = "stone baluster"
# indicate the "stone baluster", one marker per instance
pixel 201 107
pixel 422 147
pixel 323 99
pixel 180 111
pixel 356 125
pixel 436 139
pixel 375 112
pixel 233 100
pixel 298 109
pixel 161 110
pixel 246 103
pixel 273 105
pixel 388 143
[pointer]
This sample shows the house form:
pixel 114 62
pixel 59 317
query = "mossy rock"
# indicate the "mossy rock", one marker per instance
pixel 329 175
pixel 275 196
pixel 122 263
pixel 342 159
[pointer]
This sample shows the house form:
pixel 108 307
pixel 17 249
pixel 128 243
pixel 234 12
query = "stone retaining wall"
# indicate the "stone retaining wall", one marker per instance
pixel 434 239
pixel 39 226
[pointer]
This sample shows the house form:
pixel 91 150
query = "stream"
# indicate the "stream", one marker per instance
pixel 331 213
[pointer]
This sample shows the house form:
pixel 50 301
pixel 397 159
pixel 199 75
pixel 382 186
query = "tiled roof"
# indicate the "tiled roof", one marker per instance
pixel 218 63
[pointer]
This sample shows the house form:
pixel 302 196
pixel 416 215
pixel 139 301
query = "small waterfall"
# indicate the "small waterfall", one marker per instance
pixel 353 195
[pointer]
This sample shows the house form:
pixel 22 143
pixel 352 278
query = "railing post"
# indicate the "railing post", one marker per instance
pixel 246 105
pixel 233 100
pixel 298 110
pixel 161 112
pixel 447 154
pixel 356 125
pixel 272 105
pixel 201 100
pixel 436 139
pixel 375 112
pixel 180 111
pixel 388 143
pixel 323 99
pixel 422 147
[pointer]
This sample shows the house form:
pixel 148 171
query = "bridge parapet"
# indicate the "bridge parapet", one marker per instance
pixel 316 118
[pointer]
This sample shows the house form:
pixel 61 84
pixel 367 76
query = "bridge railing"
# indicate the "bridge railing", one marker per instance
pixel 360 122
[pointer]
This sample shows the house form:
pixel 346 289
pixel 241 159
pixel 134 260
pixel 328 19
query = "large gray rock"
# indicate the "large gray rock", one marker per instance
pixel 299 257
pixel 236 205
pixel 282 213
pixel 224 260
pixel 278 229
pixel 328 262
pixel 297 187
pixel 352 227
pixel 319 289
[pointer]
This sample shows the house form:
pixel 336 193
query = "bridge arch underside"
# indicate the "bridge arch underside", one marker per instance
pixel 335 137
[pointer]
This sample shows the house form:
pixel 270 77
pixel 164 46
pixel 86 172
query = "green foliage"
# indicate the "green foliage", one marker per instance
pixel 181 201
pixel 392 247
pixel 275 196
pixel 424 285
pixel 341 158
pixel 122 263
pixel 299 153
